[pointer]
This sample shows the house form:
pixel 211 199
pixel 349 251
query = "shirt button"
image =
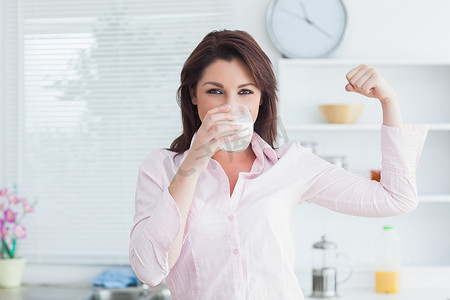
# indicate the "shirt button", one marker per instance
pixel 231 217
pixel 235 251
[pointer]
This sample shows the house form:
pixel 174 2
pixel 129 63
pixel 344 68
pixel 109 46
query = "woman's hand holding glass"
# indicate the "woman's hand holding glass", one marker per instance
pixel 216 130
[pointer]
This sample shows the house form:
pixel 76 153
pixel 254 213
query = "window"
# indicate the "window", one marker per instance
pixel 88 89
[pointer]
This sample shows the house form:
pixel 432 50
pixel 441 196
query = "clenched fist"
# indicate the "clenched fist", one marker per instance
pixel 366 81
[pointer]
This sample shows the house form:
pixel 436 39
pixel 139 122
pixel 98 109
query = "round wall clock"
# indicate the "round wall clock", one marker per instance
pixel 306 28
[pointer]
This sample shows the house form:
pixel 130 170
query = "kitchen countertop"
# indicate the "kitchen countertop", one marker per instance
pixel 412 294
pixel 50 292
pixel 47 292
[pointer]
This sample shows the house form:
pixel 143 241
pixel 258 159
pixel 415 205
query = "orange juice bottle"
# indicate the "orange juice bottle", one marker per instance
pixel 388 261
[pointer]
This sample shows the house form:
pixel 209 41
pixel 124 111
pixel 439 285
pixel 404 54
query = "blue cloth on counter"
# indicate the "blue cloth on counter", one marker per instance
pixel 116 278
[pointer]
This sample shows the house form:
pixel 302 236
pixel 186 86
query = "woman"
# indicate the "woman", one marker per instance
pixel 216 225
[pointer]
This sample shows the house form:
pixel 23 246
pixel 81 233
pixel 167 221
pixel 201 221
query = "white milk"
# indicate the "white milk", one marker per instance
pixel 246 120
pixel 240 144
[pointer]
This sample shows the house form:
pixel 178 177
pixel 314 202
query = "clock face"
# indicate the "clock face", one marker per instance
pixel 306 28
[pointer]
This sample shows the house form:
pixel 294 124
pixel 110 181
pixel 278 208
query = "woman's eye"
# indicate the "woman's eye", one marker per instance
pixel 214 92
pixel 245 92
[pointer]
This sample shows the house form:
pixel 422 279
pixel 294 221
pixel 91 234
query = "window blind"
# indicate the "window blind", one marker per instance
pixel 88 91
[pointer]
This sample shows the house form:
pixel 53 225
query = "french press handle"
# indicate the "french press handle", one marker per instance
pixel 349 263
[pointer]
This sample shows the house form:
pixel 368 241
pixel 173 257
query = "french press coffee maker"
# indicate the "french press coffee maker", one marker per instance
pixel 325 257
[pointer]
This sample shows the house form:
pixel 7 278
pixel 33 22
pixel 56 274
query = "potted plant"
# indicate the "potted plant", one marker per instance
pixel 12 211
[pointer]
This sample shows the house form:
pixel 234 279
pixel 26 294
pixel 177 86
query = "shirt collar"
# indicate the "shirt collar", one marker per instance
pixel 261 147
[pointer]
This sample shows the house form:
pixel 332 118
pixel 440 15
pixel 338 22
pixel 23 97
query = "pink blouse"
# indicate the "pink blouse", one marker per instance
pixel 240 247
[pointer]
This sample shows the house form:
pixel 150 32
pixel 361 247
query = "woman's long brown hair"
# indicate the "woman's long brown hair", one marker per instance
pixel 227 45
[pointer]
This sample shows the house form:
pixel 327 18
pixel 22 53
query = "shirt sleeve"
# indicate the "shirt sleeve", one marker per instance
pixel 157 221
pixel 342 191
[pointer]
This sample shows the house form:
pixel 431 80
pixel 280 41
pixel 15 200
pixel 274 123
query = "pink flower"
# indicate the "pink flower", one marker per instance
pixel 13 199
pixel 3 192
pixel 20 231
pixel 1 206
pixel 4 232
pixel 28 207
pixel 10 216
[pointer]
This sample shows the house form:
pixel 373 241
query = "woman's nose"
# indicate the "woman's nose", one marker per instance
pixel 231 99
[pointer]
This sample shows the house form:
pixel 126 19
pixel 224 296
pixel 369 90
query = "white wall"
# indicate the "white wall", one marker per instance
pixel 251 17
pixel 376 29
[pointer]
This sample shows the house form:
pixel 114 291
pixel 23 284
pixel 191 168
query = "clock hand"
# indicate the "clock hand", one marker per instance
pixel 295 15
pixel 321 30
pixel 304 9
pixel 307 21
pixel 311 22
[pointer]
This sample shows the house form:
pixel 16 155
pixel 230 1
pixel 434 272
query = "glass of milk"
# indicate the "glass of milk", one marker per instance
pixel 244 118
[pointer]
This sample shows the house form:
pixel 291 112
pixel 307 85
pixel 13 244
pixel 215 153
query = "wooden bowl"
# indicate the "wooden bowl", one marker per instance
pixel 341 113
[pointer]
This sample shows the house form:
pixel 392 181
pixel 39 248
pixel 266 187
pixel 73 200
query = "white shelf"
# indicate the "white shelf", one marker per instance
pixel 331 127
pixel 434 198
pixel 367 61
pixel 354 127
pixel 424 96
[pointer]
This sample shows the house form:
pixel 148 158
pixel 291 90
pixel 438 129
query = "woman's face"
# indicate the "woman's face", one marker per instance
pixel 226 82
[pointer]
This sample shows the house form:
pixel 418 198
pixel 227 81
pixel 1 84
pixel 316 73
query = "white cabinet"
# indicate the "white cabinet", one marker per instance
pixel 423 88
